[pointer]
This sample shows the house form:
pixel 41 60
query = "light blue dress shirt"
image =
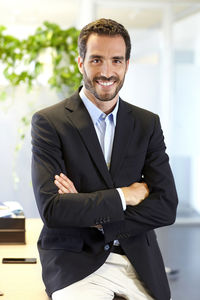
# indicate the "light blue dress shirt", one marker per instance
pixel 105 129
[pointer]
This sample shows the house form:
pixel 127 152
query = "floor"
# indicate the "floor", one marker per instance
pixel 180 246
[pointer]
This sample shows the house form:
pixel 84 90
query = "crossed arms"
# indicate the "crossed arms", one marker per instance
pixel 149 205
pixel 133 194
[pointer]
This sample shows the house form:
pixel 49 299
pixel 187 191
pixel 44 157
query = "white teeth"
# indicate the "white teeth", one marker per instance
pixel 106 83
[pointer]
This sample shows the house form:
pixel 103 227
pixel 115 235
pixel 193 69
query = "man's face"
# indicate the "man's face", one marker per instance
pixel 104 67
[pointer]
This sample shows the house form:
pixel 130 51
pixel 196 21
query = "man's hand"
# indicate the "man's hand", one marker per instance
pixel 135 193
pixel 64 184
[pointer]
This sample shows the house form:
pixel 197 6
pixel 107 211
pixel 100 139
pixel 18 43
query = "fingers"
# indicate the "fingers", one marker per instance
pixel 146 189
pixel 64 184
pixel 136 193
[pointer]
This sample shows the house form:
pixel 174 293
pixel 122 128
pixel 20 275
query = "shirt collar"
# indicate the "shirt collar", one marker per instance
pixel 94 112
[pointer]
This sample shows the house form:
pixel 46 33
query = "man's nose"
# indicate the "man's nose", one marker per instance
pixel 106 70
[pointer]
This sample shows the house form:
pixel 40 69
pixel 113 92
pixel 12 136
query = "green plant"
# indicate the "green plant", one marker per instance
pixel 22 63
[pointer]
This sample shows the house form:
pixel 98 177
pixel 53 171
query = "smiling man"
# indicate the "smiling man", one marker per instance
pixel 102 182
pixel 103 67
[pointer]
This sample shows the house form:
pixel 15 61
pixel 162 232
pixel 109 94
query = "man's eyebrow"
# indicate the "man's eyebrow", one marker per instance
pixel 95 56
pixel 118 57
pixel 100 56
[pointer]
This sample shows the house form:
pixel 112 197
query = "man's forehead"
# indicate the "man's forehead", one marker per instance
pixel 99 44
pixel 97 38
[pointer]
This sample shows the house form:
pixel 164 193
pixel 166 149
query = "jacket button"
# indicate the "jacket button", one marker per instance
pixel 106 247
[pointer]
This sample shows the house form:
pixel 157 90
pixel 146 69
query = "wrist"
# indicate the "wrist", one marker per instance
pixel 129 198
pixel 121 194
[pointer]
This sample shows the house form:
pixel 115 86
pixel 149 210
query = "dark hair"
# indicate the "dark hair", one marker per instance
pixel 103 27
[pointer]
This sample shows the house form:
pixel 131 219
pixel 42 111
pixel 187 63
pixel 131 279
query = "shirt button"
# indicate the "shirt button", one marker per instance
pixel 106 247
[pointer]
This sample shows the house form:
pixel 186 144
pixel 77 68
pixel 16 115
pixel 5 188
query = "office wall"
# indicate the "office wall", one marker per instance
pixel 142 87
pixel 15 182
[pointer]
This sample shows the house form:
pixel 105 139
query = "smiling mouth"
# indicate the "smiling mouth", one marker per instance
pixel 105 83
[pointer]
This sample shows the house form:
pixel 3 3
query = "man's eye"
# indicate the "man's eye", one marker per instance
pixel 96 60
pixel 117 61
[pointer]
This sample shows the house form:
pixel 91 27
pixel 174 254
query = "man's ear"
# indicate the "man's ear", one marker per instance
pixel 127 64
pixel 80 64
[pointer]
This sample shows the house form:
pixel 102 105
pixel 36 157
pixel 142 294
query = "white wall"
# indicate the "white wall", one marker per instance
pixel 19 162
pixel 185 138
pixel 142 88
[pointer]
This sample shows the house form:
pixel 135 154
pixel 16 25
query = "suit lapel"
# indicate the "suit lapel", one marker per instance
pixel 80 118
pixel 123 134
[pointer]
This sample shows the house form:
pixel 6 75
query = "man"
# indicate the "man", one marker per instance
pixel 102 182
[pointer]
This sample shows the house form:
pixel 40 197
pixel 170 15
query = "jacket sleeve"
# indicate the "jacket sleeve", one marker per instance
pixel 74 210
pixel 159 208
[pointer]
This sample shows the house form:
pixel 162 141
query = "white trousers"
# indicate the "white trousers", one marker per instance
pixel 115 277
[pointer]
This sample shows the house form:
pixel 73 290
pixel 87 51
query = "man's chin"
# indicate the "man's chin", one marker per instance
pixel 105 97
pixel 101 96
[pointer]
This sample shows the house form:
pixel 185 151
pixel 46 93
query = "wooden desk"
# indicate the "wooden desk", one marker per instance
pixel 23 281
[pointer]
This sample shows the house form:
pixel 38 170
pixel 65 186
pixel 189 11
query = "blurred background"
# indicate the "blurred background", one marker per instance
pixel 164 77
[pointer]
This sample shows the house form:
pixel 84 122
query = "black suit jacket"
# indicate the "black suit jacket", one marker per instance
pixel 64 140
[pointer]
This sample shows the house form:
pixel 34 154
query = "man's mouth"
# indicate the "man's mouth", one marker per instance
pixel 105 83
